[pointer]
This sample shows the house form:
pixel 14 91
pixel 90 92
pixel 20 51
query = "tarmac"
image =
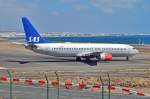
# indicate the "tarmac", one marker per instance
pixel 16 57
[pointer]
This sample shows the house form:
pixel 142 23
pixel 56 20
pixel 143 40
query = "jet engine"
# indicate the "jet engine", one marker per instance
pixel 105 56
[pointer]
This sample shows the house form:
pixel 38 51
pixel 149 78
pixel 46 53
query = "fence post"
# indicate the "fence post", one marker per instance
pixel 108 85
pixel 10 83
pixel 57 85
pixel 102 86
pixel 47 86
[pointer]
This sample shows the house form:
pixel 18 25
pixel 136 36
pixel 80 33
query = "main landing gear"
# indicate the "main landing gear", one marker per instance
pixel 127 58
pixel 78 58
pixel 87 59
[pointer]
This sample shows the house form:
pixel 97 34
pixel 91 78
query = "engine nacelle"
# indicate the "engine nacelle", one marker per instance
pixel 106 56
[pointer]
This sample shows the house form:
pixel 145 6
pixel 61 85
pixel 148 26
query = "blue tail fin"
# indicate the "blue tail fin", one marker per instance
pixel 32 36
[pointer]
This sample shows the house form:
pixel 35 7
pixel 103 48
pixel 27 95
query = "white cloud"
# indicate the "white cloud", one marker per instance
pixel 77 5
pixel 112 5
pixel 80 7
pixel 11 11
pixel 108 6
pixel 115 3
pixel 55 13
pixel 13 8
pixel 70 1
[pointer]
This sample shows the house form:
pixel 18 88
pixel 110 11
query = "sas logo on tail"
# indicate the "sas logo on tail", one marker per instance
pixel 34 39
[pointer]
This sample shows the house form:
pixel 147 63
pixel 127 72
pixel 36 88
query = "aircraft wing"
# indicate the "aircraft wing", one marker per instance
pixel 89 54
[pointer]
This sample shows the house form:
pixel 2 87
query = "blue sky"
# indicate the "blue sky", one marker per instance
pixel 131 16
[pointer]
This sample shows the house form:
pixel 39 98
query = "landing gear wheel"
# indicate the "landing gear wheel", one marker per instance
pixel 87 59
pixel 78 58
pixel 127 58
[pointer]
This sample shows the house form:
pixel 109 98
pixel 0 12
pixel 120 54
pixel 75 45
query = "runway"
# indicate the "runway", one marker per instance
pixel 17 57
pixel 30 92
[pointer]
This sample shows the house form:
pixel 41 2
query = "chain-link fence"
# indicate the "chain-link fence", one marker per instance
pixel 73 85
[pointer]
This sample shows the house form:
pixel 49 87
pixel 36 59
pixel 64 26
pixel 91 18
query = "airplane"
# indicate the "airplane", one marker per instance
pixel 100 51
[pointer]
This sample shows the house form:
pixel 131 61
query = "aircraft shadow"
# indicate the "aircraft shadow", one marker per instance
pixel 53 59
pixel 26 60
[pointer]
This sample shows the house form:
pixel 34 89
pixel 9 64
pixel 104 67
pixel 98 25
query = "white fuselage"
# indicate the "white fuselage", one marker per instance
pixel 74 49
